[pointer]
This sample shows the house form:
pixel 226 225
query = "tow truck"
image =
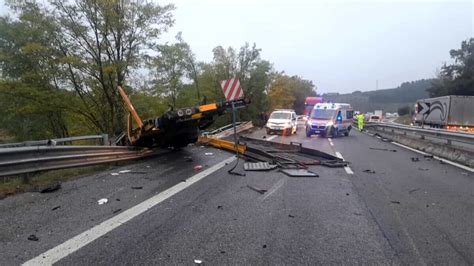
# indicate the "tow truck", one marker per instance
pixel 175 128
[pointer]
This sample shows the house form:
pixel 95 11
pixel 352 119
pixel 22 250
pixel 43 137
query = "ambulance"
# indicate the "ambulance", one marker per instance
pixel 330 120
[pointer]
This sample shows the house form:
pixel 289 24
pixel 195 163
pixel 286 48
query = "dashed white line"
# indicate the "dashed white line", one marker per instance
pixel 272 137
pixel 330 142
pixel 61 251
pixel 347 168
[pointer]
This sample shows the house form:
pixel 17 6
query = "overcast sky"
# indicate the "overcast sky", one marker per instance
pixel 341 46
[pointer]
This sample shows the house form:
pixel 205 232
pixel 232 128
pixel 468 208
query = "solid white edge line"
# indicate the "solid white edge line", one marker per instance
pixel 347 168
pixel 63 250
pixel 467 168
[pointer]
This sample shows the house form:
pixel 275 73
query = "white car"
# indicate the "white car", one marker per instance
pixel 282 121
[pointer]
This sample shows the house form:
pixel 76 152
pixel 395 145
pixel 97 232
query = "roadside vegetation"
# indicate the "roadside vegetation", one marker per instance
pixel 59 77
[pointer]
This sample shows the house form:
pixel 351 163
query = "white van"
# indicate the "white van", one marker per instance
pixel 282 121
pixel 330 119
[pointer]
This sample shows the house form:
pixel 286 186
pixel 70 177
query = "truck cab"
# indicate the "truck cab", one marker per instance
pixel 330 120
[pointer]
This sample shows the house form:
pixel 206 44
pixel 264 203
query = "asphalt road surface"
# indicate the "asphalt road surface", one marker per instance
pixel 382 209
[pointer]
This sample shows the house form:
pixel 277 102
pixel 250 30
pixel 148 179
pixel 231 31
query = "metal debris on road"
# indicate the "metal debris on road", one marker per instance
pixel 382 149
pixel 423 169
pixel 198 167
pixel 117 210
pixel 264 246
pixel 415 159
pixel 55 208
pixel 413 190
pixel 369 171
pixel 260 166
pixel 114 173
pixel 102 201
pixel 198 261
pixel 395 202
pixel 49 188
pixel 137 187
pixel 430 156
pixel 124 171
pixel 33 238
pixel 208 153
pixel 219 207
pixel 261 191
pixel 299 173
pixel 291 216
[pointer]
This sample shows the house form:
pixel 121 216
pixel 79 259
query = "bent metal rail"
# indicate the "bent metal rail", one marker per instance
pixel 23 160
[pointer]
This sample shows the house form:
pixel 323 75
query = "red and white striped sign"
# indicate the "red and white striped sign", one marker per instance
pixel 232 89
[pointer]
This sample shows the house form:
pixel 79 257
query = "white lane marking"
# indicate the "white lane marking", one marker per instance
pixel 275 187
pixel 467 168
pixel 347 168
pixel 61 251
pixel 272 137
pixel 330 142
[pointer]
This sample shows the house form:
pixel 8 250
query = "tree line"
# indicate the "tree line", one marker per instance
pixel 61 62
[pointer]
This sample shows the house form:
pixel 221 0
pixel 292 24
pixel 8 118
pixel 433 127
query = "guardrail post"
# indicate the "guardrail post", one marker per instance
pixel 449 142
pixel 105 139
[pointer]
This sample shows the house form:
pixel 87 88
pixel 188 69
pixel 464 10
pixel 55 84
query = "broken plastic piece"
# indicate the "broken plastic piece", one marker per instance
pixel 50 188
pixel 299 173
pixel 137 187
pixel 114 173
pixel 102 201
pixel 55 208
pixel 125 171
pixel 198 261
pixel 369 171
pixel 395 202
pixel 198 167
pixel 208 153
pixel 33 238
pixel 415 159
pixel 261 191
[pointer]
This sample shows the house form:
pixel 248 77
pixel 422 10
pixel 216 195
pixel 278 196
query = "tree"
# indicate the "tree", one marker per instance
pixel 290 92
pixel 169 68
pixel 456 79
pixel 405 110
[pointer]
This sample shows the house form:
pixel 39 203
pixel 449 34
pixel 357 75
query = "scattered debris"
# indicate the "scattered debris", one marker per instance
pixel 219 207
pixel 413 190
pixel 147 166
pixel 423 169
pixel 124 171
pixel 102 201
pixel 222 252
pixel 117 210
pixel 140 187
pixel 264 246
pixel 198 167
pixel 291 216
pixel 369 171
pixel 183 180
pixel 260 166
pixel 261 191
pixel 430 156
pixel 55 208
pixel 49 188
pixel 382 149
pixel 442 162
pixel 264 137
pixel 299 173
pixel 208 153
pixel 117 199
pixel 427 205
pixel 395 202
pixel 114 173
pixel 33 238
pixel 357 213
pixel 188 158
pixel 415 159
pixel 347 194
pixel 198 261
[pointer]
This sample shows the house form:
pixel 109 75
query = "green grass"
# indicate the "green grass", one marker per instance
pixel 16 184
pixel 405 120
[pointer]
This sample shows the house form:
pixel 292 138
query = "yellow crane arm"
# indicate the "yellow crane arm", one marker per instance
pixel 130 107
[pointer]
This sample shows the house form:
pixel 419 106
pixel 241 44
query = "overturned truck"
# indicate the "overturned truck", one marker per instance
pixel 174 128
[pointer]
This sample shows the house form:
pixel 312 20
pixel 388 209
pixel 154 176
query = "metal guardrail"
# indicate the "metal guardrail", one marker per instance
pixel 227 130
pixel 441 134
pixel 104 139
pixel 24 160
